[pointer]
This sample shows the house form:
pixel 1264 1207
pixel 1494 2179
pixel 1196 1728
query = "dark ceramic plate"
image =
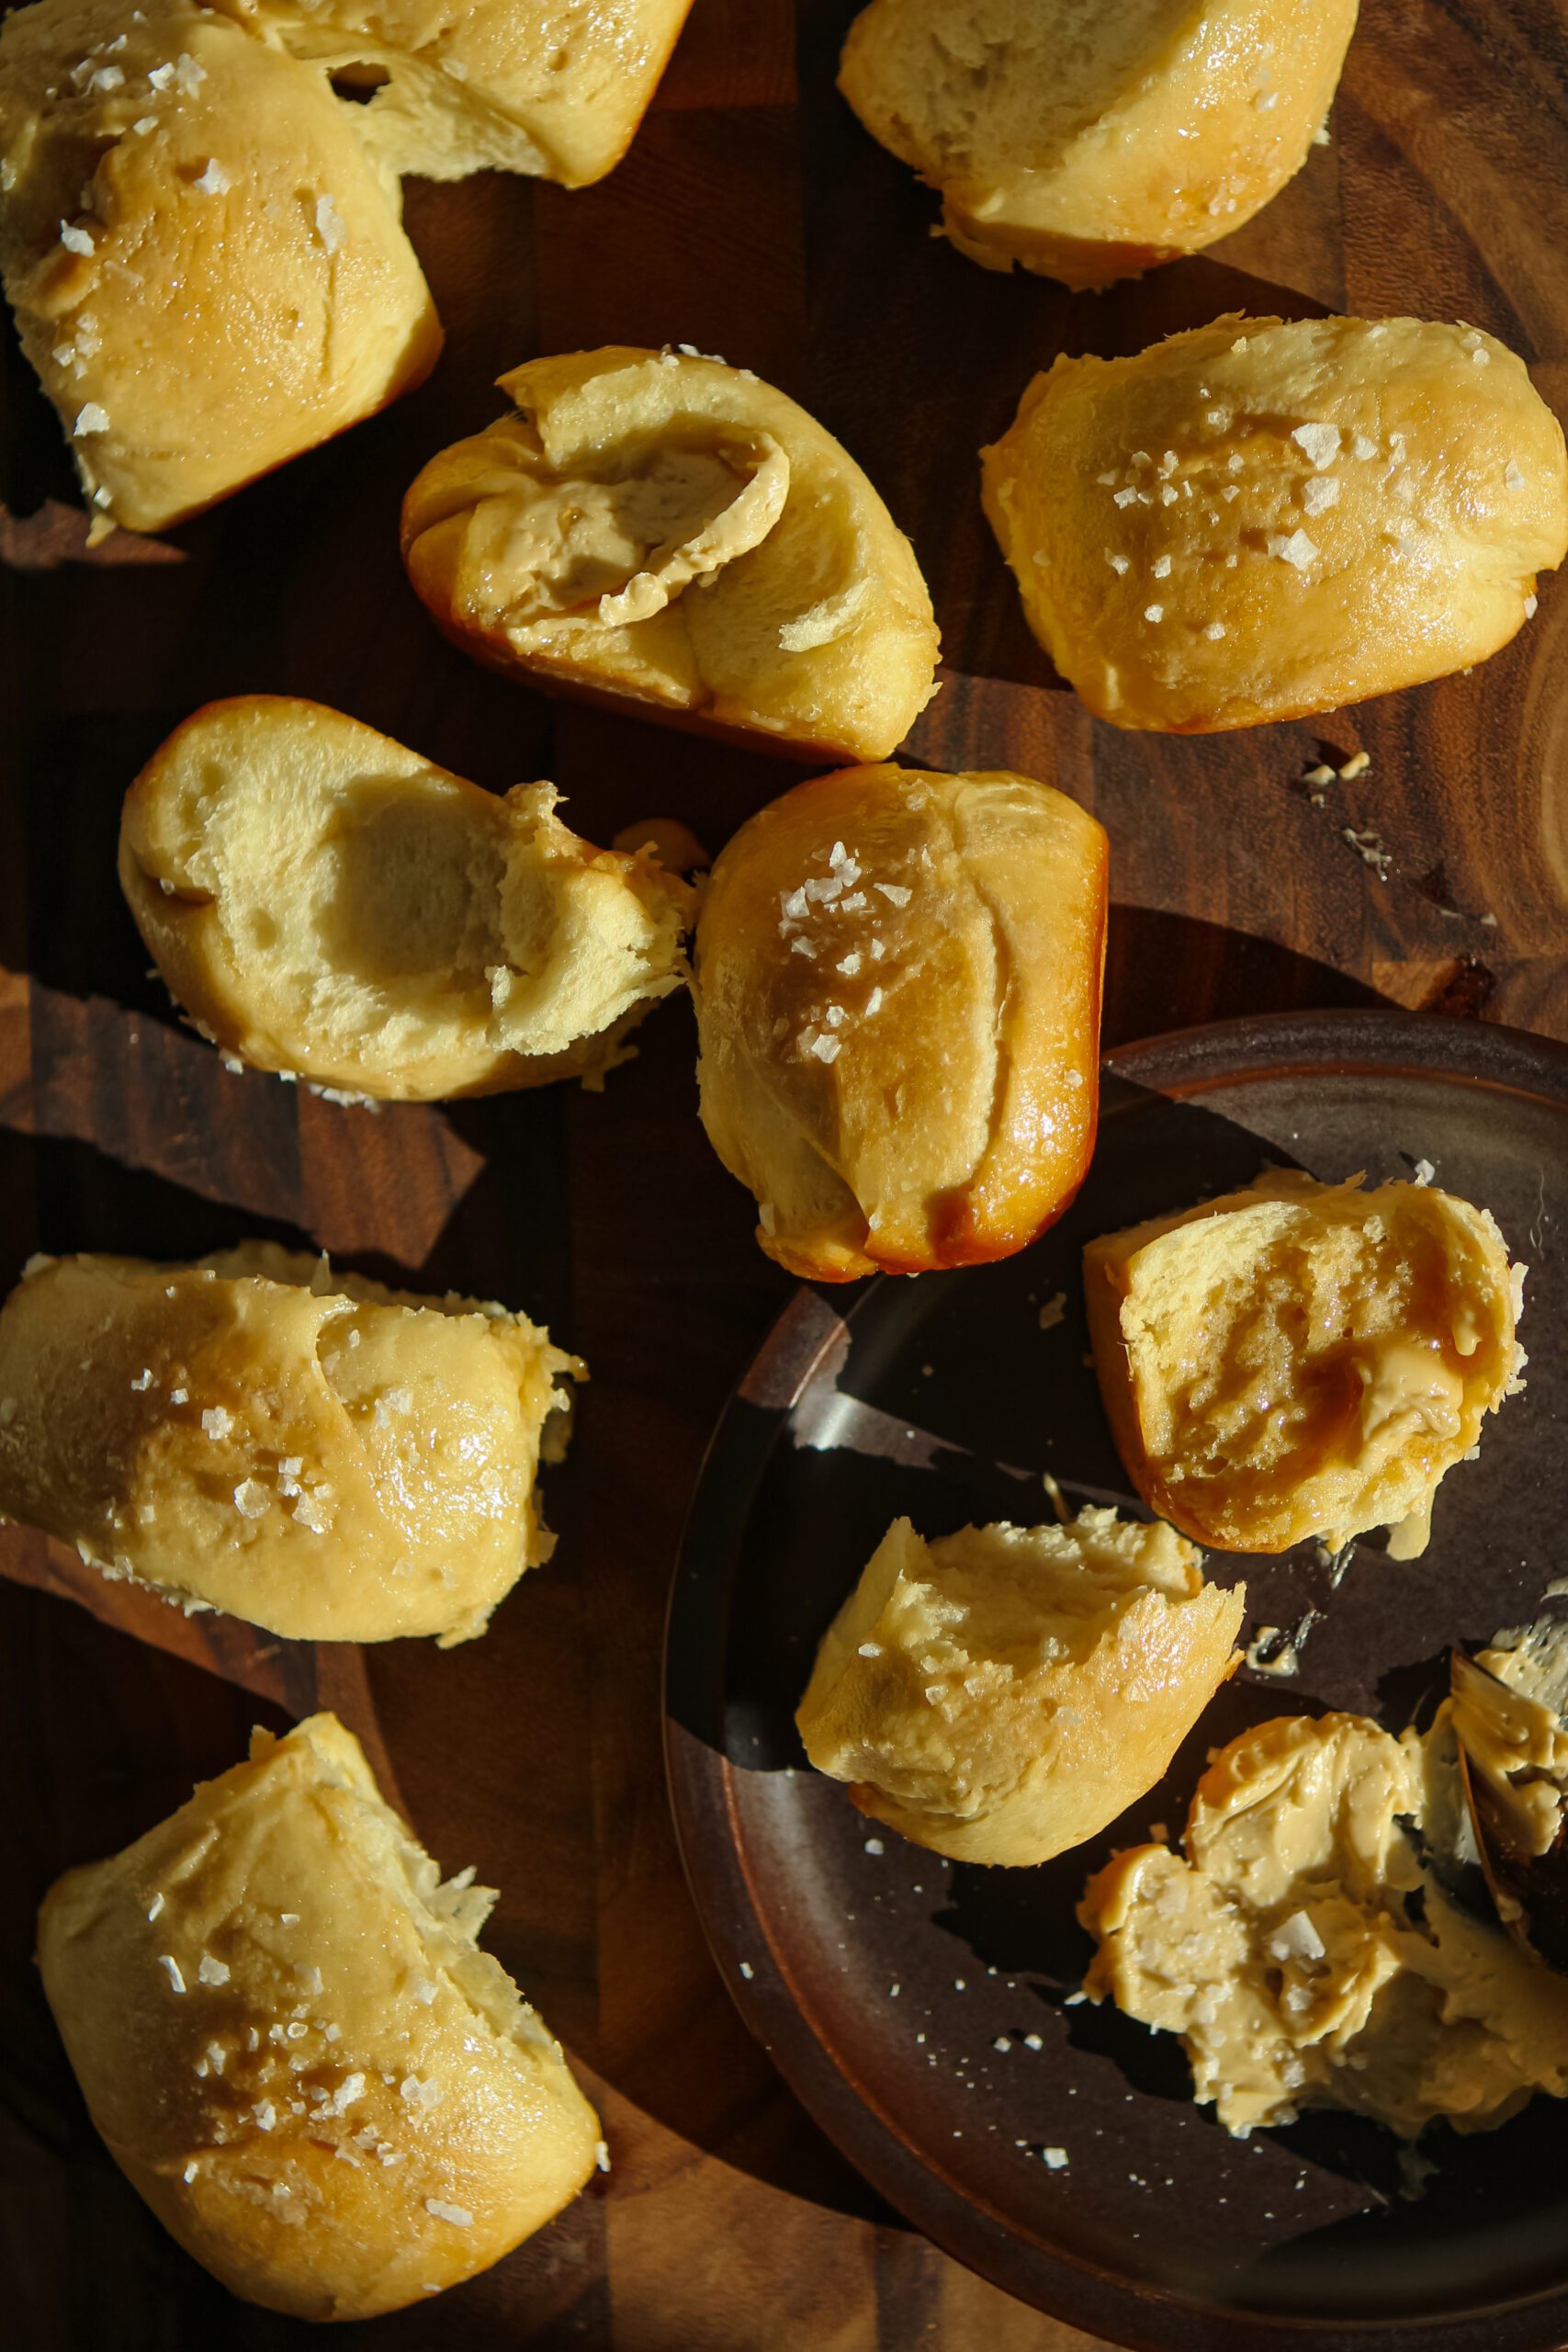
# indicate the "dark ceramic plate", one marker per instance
pixel 923 2009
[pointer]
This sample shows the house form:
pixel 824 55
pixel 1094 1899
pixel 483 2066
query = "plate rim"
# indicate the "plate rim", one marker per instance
pixel 1181 1064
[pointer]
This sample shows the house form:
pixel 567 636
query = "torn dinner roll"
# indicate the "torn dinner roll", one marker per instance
pixel 1001 1695
pixel 897 978
pixel 1259 520
pixel 326 903
pixel 308 1450
pixel 510 85
pixel 295 2050
pixel 1301 1359
pixel 671 534
pixel 1089 138
pixel 205 265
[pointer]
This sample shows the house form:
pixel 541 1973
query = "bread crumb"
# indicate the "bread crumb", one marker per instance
pixel 1053 1311
pixel 1369 848
pixel 1357 764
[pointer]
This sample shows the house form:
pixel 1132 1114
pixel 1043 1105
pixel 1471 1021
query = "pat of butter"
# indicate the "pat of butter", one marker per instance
pixel 1404 1378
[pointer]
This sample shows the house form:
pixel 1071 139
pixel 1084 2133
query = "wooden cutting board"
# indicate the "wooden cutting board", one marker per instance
pixel 754 217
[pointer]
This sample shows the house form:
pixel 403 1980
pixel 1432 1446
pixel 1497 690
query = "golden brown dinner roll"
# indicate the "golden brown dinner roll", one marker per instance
pixel 506 83
pixel 1302 1359
pixel 897 979
pixel 308 1450
pixel 294 2049
pixel 1308 1957
pixel 205 265
pixel 1088 139
pixel 327 903
pixel 1257 521
pixel 1001 1694
pixel 667 531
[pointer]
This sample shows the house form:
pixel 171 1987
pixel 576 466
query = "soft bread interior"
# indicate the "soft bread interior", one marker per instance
pixel 327 902
pixel 495 84
pixel 1302 1358
pixel 447 1915
pixel 1002 1693
pixel 973 87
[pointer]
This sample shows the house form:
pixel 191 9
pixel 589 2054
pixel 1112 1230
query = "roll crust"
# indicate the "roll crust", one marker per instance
pixel 309 1452
pixel 661 529
pixel 1088 139
pixel 206 266
pixel 1259 520
pixel 326 903
pixel 295 2052
pixel 897 979
pixel 1301 1359
pixel 1001 1695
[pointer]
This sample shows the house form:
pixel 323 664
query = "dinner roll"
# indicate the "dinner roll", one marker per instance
pixel 295 2050
pixel 1306 1950
pixel 557 91
pixel 898 981
pixel 1258 520
pixel 325 902
pixel 206 264
pixel 1088 139
pixel 672 533
pixel 308 1450
pixel 1302 1359
pixel 1001 1694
